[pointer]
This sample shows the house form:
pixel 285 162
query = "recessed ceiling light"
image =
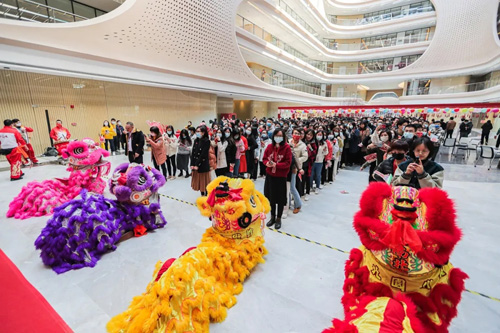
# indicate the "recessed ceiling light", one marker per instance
pixel 78 85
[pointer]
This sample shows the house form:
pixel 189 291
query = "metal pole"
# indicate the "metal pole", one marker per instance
pixel 48 125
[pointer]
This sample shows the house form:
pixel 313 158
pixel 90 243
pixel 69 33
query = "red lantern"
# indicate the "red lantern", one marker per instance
pixel 457 110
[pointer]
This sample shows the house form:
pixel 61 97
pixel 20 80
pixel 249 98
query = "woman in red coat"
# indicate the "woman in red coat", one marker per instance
pixel 277 159
pixel 243 158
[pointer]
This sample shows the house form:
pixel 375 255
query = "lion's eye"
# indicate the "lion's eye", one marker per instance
pixel 141 181
pixel 78 150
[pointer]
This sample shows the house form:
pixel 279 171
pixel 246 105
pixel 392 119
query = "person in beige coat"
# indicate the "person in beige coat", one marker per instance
pixel 171 144
pixel 158 152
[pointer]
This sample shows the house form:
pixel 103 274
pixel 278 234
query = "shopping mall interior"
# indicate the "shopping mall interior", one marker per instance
pixel 249 165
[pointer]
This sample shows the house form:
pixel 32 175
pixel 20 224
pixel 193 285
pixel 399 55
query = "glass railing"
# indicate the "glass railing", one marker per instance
pixel 454 89
pixel 380 18
pixel 296 17
pixel 35 11
pixel 374 66
pixel 280 79
pixel 379 43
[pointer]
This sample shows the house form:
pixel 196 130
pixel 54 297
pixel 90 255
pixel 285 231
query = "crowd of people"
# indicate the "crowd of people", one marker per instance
pixel 296 157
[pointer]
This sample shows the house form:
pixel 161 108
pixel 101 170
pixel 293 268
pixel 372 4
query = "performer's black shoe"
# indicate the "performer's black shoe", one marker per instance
pixel 271 221
pixel 278 223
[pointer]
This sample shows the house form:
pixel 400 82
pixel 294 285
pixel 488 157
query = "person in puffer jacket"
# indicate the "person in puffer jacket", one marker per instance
pixel 398 150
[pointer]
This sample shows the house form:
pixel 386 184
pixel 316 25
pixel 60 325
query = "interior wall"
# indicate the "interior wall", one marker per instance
pixel 27 95
pixel 243 109
pixel 224 105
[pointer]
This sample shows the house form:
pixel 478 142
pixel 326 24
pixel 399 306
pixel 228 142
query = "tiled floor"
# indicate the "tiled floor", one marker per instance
pixel 298 289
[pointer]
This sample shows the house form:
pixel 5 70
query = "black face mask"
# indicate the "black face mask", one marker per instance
pixel 398 156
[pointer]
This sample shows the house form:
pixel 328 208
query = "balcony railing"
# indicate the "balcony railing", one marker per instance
pixel 373 66
pixel 32 11
pixel 280 79
pixel 380 18
pixel 454 89
pixel 379 43
pixel 297 17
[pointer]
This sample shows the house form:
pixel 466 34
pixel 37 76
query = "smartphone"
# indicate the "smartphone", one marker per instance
pixel 417 160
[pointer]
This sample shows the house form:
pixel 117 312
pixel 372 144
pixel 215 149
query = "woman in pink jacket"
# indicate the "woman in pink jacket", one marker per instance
pixel 158 151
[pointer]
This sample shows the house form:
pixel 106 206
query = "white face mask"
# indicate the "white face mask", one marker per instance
pixel 227 134
pixel 106 124
pixel 113 122
pixel 169 132
pixel 330 137
pixel 248 132
pixel 119 123
pixel 219 135
pixel 384 138
pixel 278 139
pixel 319 137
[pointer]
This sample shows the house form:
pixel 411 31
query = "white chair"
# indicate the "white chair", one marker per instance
pixel 487 153
pixel 462 144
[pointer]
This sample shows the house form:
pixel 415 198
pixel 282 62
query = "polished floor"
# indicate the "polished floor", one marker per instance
pixel 298 289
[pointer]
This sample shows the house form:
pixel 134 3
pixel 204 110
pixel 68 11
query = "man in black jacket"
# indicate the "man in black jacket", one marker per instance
pixel 135 143
pixel 487 127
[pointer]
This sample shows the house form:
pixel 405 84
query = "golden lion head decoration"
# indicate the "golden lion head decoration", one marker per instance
pixel 237 210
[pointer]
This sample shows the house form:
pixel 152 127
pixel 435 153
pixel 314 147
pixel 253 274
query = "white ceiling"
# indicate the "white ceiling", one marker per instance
pixel 105 5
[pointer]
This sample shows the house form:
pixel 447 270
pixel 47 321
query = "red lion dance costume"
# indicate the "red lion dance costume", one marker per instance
pixel 400 280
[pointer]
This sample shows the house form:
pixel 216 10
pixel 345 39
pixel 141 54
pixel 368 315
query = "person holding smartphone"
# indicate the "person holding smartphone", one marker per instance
pixel 421 171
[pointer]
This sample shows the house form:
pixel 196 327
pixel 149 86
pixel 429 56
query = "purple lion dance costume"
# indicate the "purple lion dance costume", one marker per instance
pixel 85 228
pixel 87 166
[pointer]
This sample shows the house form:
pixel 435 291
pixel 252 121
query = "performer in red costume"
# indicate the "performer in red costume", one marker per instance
pixel 60 135
pixel 11 142
pixel 23 130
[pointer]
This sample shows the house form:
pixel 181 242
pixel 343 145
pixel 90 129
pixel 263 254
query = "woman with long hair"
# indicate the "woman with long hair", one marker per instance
pixel 220 145
pixel 184 150
pixel 251 136
pixel 312 151
pixel 321 154
pixel 108 133
pixel 277 158
pixel 420 171
pixel 171 144
pixel 158 152
pixel 230 151
pixel 200 165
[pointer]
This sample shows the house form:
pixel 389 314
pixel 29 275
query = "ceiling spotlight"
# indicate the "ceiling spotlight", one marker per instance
pixel 78 86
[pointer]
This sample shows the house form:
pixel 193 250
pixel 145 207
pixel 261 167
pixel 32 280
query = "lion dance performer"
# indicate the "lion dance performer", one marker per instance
pixel 87 166
pixel 61 137
pixel 189 292
pixel 85 228
pixel 11 145
pixel 401 280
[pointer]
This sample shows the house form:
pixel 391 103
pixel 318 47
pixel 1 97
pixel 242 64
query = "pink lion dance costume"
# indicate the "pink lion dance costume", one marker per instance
pixel 87 168
pixel 401 280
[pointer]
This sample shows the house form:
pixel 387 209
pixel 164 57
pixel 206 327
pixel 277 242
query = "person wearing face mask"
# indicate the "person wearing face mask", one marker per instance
pixel 115 145
pixel 171 143
pixel 184 145
pixel 327 164
pixel 251 136
pixel 11 143
pixel 108 133
pixel 120 136
pixel 243 158
pixel 158 152
pixel 299 151
pixel 409 134
pixel 398 151
pixel 379 149
pixel 264 142
pixel 240 151
pixel 420 171
pixel 322 152
pixel 312 151
pixel 60 135
pixel 277 158
pixel 331 170
pixel 200 163
pixel 230 151
pixel 220 145
pixel 353 153
pixel 23 130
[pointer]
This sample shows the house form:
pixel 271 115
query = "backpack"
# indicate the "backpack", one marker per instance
pixel 50 151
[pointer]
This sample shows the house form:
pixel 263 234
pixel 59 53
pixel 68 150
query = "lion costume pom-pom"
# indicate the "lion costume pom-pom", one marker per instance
pixel 401 280
pixel 189 292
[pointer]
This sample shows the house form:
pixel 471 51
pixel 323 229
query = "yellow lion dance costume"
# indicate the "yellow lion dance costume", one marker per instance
pixel 188 293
